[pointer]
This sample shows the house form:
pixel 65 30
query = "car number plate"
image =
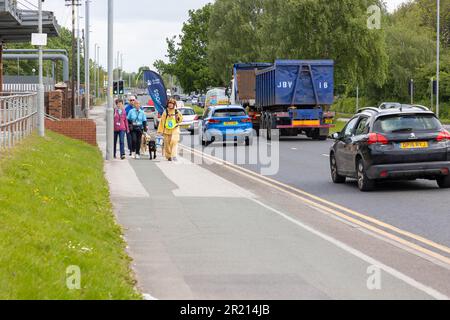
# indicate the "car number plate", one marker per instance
pixel 231 123
pixel 414 145
pixel 185 126
pixel 328 121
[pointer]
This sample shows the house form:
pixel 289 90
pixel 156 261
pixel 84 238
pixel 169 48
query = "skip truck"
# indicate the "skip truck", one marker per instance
pixel 293 96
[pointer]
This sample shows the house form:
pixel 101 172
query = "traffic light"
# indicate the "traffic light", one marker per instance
pixel 411 87
pixel 434 87
pixel 116 88
pixel 121 87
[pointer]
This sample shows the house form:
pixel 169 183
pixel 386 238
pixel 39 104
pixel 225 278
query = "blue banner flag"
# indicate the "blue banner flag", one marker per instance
pixel 156 89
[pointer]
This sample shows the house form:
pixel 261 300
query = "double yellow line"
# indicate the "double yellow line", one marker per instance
pixel 342 212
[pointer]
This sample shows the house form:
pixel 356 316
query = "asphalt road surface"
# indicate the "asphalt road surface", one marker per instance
pixel 418 206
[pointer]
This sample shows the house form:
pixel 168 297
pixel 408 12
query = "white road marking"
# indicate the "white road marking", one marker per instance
pixel 123 181
pixel 326 155
pixel 371 261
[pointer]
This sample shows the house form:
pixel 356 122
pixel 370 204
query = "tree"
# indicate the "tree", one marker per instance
pixel 233 35
pixel 188 59
pixel 264 30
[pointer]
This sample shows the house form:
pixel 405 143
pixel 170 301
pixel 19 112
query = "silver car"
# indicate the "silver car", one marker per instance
pixel 151 113
pixel 190 120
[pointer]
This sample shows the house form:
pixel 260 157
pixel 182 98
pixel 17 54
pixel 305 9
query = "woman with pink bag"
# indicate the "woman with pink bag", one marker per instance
pixel 120 127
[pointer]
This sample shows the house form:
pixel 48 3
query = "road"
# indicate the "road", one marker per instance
pixel 419 207
pixel 202 231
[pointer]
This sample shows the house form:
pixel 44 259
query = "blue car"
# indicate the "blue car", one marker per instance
pixel 226 123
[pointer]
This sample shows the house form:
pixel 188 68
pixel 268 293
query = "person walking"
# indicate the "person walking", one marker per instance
pixel 170 130
pixel 128 107
pixel 120 128
pixel 138 121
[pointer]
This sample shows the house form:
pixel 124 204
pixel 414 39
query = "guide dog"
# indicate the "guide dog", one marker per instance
pixel 149 142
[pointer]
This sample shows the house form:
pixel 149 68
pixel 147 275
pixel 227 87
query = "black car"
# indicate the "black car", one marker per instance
pixel 398 142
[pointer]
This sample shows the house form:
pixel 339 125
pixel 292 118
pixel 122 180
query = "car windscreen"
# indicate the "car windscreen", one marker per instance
pixel 187 112
pixel 407 123
pixel 225 113
pixel 149 109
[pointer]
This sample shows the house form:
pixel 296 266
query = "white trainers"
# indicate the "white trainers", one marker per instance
pixel 133 155
pixel 138 156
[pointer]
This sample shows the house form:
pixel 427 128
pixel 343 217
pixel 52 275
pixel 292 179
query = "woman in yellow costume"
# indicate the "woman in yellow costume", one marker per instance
pixel 170 130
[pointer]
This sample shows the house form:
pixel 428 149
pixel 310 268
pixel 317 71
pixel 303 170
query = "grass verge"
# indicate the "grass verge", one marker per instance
pixel 55 213
pixel 339 126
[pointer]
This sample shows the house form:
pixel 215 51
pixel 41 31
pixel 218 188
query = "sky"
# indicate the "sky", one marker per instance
pixel 141 26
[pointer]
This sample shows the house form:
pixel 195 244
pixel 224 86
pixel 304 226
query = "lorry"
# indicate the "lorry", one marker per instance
pixel 216 96
pixel 243 89
pixel 293 96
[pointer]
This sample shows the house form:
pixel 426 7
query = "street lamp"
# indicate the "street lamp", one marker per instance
pixel 95 70
pixel 41 108
pixel 87 73
pixel 109 106
pixel 438 48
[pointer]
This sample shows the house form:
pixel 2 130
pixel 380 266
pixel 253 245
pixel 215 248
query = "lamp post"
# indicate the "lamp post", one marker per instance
pixel 87 73
pixel 41 108
pixel 109 106
pixel 97 84
pixel 438 48
pixel 95 70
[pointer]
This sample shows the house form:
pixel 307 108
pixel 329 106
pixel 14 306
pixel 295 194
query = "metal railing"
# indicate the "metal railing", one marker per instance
pixel 25 87
pixel 18 118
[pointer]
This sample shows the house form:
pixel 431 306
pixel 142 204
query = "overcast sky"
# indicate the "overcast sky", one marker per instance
pixel 141 26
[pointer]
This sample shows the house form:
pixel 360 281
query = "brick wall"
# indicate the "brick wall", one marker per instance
pixel 80 129
pixel 55 103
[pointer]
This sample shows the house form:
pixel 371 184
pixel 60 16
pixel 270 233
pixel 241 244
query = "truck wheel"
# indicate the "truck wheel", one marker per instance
pixel 262 121
pixel 444 182
pixel 269 127
pixel 315 134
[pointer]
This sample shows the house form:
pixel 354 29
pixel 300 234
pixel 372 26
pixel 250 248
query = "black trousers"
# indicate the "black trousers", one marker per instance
pixel 129 141
pixel 136 138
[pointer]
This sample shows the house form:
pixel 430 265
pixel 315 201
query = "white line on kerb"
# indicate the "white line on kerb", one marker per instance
pixel 397 274
pixel 148 297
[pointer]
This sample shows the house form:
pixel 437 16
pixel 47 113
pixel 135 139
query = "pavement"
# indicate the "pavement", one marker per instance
pixel 203 231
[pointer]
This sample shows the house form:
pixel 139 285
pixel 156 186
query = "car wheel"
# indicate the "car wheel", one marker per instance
pixel 192 132
pixel 248 141
pixel 364 183
pixel 204 142
pixel 337 178
pixel 444 182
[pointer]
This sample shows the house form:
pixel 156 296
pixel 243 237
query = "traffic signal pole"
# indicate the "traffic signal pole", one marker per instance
pixel 110 104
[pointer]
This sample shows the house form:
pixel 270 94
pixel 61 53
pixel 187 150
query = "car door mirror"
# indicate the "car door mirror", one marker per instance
pixel 336 136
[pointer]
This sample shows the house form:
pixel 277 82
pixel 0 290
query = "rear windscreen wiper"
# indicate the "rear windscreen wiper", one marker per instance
pixel 402 130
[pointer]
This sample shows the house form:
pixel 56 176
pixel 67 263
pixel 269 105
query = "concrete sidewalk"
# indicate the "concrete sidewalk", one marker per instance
pixel 195 234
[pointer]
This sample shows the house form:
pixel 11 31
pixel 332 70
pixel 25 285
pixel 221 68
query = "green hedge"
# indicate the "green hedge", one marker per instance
pixel 348 106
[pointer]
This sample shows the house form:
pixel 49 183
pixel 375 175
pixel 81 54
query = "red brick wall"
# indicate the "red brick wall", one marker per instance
pixel 80 129
pixel 55 103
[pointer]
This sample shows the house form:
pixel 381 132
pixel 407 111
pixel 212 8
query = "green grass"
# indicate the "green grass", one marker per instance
pixel 55 212
pixel 339 126
pixel 199 111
